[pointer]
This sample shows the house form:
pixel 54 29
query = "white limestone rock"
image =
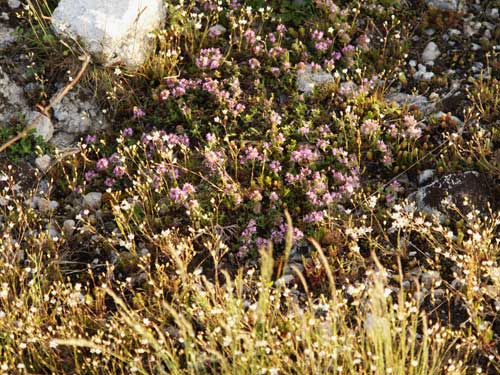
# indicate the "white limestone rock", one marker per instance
pixel 307 79
pixel 43 163
pixel 43 127
pixel 92 200
pixel 74 116
pixel 14 4
pixel 12 101
pixel 44 205
pixel 422 74
pixel 69 227
pixel 112 30
pixel 6 36
pixel 431 53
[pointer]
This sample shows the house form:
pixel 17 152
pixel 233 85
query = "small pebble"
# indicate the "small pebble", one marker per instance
pixel 14 4
pixel 431 53
pixel 92 200
pixel 69 227
pixel 43 163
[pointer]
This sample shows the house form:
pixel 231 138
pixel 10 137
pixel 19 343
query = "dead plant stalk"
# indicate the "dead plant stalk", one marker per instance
pixel 57 99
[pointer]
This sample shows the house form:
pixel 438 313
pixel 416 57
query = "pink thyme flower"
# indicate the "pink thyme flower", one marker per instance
pixel 281 29
pixel 249 36
pixel 275 166
pixel 254 63
pixel 209 59
pixel 317 35
pixel 304 155
pixel 102 163
pixel 369 127
pixel 119 171
pixel 138 112
pixel 273 197
pixel 412 130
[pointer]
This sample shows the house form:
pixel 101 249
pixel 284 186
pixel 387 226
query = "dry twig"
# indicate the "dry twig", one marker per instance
pixel 57 99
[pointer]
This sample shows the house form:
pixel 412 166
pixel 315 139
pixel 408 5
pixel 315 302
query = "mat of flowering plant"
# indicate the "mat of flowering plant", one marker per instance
pixel 282 187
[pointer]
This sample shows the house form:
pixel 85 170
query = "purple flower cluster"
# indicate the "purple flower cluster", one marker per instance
pixel 304 155
pixel 369 127
pixel 275 118
pixel 228 97
pixel 102 163
pixel 138 112
pixel 180 196
pixel 314 217
pixel 209 59
pixel 127 132
pixel 322 44
pixel 278 235
pixel 250 37
pixel 214 159
pixel 251 154
pixel 157 141
pixel 275 166
pixel 249 231
pixel 387 154
pixel 412 128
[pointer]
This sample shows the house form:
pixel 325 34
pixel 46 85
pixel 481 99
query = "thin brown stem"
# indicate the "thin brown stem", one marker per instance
pixel 57 99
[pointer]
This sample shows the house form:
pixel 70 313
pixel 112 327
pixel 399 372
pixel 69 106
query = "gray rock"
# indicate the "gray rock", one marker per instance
pixel 52 231
pixel 422 74
pixel 12 101
pixel 43 127
pixel 63 140
pixel 6 36
pixel 43 163
pixel 454 33
pixel 112 30
pixel 418 101
pixel 308 80
pixel 493 13
pixel 439 294
pixel 14 4
pixel 92 200
pixel 69 227
pixel 425 176
pixel 44 205
pixel 471 28
pixel 447 5
pixel 431 53
pixel 75 116
pixel 464 190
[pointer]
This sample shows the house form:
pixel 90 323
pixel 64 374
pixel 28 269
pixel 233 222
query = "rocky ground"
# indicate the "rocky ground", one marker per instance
pixel 433 69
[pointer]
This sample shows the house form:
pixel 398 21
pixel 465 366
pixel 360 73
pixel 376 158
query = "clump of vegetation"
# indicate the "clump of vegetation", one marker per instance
pixel 26 146
pixel 247 227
